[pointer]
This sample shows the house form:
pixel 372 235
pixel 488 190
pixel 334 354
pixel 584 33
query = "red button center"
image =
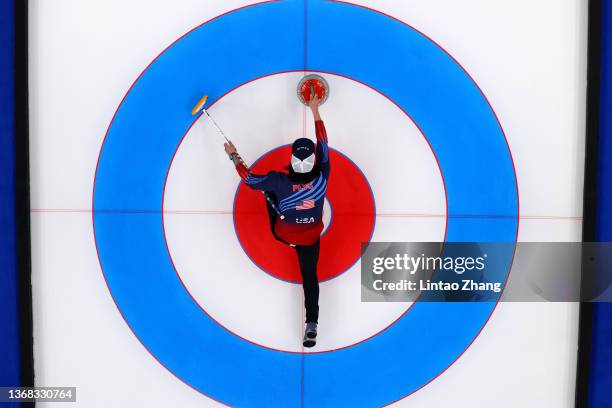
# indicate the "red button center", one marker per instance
pixel 352 224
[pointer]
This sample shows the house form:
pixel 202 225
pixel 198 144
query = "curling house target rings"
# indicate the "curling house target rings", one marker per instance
pixel 252 42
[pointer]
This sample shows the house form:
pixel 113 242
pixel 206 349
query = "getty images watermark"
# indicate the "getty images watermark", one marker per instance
pixel 413 264
pixel 485 271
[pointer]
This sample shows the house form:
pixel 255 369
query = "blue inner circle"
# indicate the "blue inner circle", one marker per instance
pixel 252 42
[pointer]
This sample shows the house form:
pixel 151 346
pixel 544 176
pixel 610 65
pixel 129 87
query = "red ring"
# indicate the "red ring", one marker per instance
pixel 352 224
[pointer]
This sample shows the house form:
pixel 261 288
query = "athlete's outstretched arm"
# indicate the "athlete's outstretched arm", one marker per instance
pixel 256 181
pixel 321 150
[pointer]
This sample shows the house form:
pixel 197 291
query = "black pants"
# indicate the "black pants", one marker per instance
pixel 308 256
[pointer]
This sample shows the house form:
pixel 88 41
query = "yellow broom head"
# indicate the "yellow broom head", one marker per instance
pixel 198 107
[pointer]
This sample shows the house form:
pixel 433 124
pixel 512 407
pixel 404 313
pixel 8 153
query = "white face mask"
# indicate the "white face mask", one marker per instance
pixel 302 166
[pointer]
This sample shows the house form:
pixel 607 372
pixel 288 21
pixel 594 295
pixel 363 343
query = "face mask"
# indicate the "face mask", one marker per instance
pixel 302 166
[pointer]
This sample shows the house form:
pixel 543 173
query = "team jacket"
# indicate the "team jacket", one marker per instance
pixel 300 204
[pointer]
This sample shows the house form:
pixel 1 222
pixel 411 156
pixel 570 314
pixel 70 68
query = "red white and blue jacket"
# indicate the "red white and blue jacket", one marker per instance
pixel 301 204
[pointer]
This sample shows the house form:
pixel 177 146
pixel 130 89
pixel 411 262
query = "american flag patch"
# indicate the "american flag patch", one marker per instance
pixel 306 205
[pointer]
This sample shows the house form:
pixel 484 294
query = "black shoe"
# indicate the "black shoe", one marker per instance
pixel 310 335
pixel 308 342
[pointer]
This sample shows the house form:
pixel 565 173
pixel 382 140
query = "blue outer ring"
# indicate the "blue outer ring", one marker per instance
pixel 222 54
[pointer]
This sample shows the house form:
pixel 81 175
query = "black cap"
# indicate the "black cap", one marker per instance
pixel 302 148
